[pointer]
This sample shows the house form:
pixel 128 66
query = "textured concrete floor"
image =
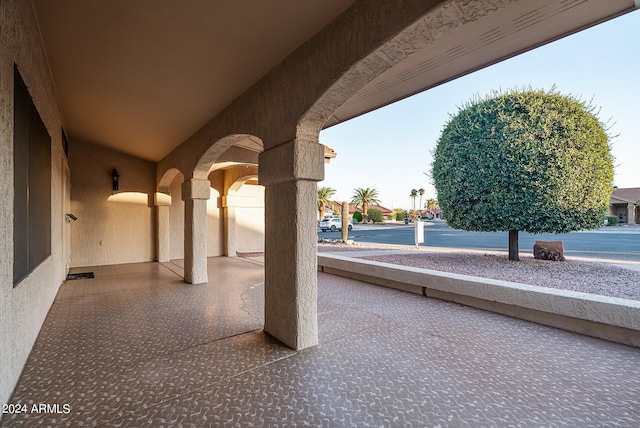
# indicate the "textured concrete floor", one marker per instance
pixel 135 346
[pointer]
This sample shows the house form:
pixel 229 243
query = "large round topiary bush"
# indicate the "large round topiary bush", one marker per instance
pixel 527 160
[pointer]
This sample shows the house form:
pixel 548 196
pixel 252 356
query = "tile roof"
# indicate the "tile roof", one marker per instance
pixel 629 194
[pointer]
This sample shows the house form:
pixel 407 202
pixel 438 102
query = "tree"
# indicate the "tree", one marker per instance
pixel 525 160
pixel 414 195
pixel 421 192
pixel 399 214
pixel 431 205
pixel 375 215
pixel 324 195
pixel 365 197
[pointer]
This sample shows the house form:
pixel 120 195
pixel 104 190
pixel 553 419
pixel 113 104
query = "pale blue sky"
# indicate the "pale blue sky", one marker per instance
pixel 390 148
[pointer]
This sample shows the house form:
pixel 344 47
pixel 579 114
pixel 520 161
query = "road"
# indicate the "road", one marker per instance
pixel 618 243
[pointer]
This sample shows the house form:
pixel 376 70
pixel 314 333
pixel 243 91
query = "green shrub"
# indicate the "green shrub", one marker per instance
pixel 375 215
pixel 399 216
pixel 612 220
pixel 531 161
pixel 357 216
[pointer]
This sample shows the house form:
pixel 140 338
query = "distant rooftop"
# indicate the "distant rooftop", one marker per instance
pixel 629 194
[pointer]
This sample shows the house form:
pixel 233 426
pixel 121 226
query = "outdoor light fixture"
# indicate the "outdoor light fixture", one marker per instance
pixel 115 176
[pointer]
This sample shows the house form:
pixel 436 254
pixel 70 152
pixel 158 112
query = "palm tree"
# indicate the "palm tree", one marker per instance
pixel 432 204
pixel 421 192
pixel 365 197
pixel 414 195
pixel 324 194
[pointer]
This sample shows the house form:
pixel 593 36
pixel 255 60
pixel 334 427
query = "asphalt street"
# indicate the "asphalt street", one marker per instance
pixel 621 243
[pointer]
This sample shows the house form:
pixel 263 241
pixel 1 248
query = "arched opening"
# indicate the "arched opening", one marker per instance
pixel 235 198
pixel 248 197
pixel 225 167
pixel 169 217
pixel 239 207
pixel 176 218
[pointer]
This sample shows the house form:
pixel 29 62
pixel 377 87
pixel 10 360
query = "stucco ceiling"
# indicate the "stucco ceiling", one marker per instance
pixel 142 76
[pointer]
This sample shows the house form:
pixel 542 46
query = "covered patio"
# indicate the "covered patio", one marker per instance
pixel 134 133
pixel 138 346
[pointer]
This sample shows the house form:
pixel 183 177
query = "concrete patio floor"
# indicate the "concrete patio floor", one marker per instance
pixel 136 346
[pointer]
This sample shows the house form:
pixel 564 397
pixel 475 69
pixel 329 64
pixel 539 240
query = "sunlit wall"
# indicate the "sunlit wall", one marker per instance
pixel 112 227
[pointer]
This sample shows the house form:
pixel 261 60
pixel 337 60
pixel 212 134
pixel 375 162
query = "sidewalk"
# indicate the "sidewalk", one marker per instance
pixel 626 228
pixel 371 249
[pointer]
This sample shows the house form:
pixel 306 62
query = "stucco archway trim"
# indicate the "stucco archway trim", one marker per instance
pixel 240 181
pixel 167 178
pixel 206 162
pixel 432 21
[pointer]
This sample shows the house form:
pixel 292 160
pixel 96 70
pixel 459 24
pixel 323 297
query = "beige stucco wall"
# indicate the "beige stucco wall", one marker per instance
pixel 23 309
pixel 111 228
pixel 176 219
pixel 250 218
pixel 215 227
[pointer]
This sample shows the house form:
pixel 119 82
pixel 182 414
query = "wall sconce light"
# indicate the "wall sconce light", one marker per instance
pixel 114 177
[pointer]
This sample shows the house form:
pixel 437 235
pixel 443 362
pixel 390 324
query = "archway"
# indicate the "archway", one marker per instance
pixel 235 204
pixel 244 215
pixel 169 216
pixel 196 194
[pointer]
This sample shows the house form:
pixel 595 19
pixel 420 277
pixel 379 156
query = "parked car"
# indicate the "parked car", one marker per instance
pixel 332 223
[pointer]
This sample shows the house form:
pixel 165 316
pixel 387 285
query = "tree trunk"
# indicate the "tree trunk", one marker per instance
pixel 364 213
pixel 345 221
pixel 513 245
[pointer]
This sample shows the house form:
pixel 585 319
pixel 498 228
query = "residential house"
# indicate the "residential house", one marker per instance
pixel 625 203
pixel 432 213
pixel 386 212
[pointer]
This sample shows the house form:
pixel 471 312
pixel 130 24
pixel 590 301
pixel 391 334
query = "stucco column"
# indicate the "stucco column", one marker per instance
pixel 163 205
pixel 290 173
pixel 631 213
pixel 230 228
pixel 195 194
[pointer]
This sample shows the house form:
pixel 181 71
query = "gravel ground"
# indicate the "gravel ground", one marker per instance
pixel 588 277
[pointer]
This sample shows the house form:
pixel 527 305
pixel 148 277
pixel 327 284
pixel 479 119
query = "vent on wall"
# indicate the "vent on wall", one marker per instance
pixel 536 16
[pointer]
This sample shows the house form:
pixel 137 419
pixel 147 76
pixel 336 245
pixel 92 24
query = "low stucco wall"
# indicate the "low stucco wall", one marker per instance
pixel 599 316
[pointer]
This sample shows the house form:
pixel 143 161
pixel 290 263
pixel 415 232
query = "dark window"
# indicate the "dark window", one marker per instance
pixel 32 184
pixel 65 144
